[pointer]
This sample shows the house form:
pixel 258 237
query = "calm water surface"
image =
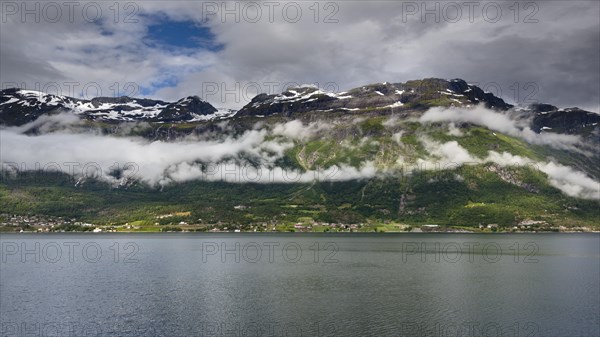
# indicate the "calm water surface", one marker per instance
pixel 240 284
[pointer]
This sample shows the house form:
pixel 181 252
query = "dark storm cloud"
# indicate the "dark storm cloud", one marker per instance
pixel 21 68
pixel 563 71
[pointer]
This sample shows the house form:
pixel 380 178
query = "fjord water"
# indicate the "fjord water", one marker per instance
pixel 242 284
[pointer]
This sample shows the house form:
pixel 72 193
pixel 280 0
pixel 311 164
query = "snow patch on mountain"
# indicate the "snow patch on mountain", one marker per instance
pixel 118 109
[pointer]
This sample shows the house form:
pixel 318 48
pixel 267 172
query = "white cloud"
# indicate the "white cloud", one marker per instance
pixel 454 131
pixel 570 181
pixel 397 137
pixel 297 130
pixel 225 157
pixel 151 158
pixel 447 153
pixel 161 162
pixel 500 122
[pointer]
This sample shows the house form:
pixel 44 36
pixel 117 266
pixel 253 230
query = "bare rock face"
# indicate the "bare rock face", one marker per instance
pixel 570 120
pixel 185 109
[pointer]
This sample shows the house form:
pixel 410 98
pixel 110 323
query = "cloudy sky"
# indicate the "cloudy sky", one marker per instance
pixel 225 53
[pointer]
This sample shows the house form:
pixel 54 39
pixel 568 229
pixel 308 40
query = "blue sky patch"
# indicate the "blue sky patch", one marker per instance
pixel 169 81
pixel 180 37
pixel 181 34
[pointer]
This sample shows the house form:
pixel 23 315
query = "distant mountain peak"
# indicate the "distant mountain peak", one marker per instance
pixel 19 106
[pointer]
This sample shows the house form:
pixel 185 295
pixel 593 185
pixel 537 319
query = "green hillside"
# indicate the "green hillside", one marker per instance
pixel 459 196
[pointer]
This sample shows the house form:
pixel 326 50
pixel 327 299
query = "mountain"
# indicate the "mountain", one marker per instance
pixel 412 95
pixel 570 120
pixel 428 151
pixel 18 107
pixel 412 98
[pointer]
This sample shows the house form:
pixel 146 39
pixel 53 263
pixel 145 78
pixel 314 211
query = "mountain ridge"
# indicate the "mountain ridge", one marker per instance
pixel 18 106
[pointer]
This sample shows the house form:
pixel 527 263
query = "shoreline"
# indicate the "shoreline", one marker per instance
pixel 295 233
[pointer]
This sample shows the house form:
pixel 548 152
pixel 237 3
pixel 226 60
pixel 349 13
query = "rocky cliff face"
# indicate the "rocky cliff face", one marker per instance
pixel 186 109
pixel 571 120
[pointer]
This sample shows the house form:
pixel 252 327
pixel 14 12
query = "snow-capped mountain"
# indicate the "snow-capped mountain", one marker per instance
pixel 408 99
pixel 19 106
pixel 412 95
pixel 411 98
